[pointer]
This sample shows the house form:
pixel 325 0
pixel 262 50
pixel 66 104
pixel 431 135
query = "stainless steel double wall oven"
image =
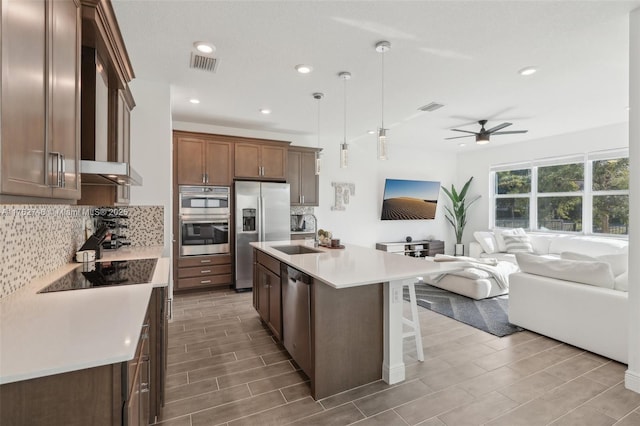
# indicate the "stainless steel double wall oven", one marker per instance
pixel 204 220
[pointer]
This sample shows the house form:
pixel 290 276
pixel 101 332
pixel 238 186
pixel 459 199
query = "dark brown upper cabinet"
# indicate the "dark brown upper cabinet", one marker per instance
pixel 40 137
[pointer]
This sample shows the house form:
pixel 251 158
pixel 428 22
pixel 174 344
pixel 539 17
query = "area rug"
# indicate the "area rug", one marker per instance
pixel 488 315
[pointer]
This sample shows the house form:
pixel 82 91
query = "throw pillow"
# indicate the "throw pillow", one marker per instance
pixel 500 233
pixel 518 243
pixel 619 262
pixel 580 271
pixel 486 240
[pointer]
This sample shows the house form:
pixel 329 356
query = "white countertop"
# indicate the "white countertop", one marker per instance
pixel 354 265
pixel 51 333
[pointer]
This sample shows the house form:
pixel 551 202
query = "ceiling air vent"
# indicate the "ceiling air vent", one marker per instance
pixel 204 63
pixel 430 107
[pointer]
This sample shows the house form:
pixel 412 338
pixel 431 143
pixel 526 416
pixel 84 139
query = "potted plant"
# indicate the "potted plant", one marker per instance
pixel 457 213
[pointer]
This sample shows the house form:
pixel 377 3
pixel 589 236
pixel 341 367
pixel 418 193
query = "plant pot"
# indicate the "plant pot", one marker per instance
pixel 459 250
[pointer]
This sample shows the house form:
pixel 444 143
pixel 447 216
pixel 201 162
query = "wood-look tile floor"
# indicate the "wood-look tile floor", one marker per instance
pixel 225 368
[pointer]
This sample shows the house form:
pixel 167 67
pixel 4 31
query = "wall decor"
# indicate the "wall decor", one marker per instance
pixel 342 193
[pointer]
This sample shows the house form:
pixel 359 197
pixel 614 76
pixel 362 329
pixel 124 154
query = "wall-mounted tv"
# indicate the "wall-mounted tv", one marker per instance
pixel 409 199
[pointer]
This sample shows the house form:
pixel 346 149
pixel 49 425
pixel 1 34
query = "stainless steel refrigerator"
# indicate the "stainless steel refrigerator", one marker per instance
pixel 262 214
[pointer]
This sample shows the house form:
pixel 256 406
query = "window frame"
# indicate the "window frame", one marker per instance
pixel 587 194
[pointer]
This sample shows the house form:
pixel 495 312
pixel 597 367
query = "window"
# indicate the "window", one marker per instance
pixel 610 185
pixel 587 194
pixel 513 189
pixel 560 191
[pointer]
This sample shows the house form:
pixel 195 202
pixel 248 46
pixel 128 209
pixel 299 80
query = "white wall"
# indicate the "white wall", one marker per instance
pixel 360 222
pixel 151 149
pixel 477 163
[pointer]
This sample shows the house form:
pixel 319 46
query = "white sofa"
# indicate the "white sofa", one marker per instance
pixel 573 289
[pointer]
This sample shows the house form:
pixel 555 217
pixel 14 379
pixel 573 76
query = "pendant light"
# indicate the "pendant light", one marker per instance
pixel 344 148
pixel 382 47
pixel 318 96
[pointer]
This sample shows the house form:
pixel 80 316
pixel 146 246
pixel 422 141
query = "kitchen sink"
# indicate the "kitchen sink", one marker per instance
pixel 296 249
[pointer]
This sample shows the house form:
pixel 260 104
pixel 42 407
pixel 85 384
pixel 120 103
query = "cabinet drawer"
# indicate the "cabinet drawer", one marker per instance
pixel 269 262
pixel 201 271
pixel 186 262
pixel 185 283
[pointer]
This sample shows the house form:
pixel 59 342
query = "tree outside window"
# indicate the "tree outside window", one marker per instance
pixel 562 194
pixel 611 196
pixel 512 200
pixel 560 212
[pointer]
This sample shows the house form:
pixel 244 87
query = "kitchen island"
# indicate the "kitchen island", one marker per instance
pixel 356 292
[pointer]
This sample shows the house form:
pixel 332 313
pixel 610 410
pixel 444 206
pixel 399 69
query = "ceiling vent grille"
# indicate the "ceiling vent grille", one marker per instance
pixel 431 107
pixel 204 63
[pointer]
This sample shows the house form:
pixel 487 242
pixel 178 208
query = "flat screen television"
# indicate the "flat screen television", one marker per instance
pixel 409 199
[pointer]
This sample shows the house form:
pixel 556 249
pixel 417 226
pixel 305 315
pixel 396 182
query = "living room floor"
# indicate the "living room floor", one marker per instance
pixel 225 368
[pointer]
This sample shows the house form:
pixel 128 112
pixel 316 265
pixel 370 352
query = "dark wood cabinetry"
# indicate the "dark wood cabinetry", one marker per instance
pixel 267 291
pixel 40 139
pixel 346 328
pixel 107 101
pixel 204 271
pixel 203 159
pixel 302 176
pixel 126 393
pixel 261 160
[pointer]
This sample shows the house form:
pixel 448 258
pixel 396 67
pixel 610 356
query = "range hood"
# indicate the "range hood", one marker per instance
pixel 108 173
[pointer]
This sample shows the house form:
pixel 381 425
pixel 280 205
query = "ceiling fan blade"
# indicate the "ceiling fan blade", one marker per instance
pixel 458 137
pixel 510 132
pixel 498 127
pixel 464 131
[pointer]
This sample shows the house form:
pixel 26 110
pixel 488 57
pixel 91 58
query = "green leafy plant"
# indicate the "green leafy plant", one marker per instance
pixel 457 213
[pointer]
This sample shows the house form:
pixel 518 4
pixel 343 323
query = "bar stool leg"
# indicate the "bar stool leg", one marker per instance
pixel 414 322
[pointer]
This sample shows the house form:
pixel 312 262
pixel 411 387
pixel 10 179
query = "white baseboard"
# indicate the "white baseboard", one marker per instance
pixel 632 381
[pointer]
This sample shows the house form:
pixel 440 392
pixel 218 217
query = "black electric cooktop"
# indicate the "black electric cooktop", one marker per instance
pixel 104 274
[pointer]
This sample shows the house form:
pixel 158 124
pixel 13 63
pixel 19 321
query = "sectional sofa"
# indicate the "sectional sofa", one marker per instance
pixel 571 288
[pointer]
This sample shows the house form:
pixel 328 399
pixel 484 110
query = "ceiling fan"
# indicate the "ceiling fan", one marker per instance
pixel 482 137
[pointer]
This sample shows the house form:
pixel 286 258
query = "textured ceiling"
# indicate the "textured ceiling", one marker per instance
pixel 464 54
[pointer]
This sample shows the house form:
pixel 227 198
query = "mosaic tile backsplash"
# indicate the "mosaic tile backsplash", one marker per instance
pixel 36 239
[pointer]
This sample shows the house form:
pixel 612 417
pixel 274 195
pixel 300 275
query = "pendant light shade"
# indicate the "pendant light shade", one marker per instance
pixel 344 147
pixel 318 96
pixel 382 47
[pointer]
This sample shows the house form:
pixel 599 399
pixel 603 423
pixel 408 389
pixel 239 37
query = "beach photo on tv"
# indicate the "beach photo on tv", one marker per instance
pixel 409 199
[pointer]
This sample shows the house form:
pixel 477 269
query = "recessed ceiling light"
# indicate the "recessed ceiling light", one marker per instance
pixel 204 47
pixel 194 101
pixel 304 69
pixel 528 71
pixel 371 132
pixel 628 108
pixel 265 111
pixel 462 144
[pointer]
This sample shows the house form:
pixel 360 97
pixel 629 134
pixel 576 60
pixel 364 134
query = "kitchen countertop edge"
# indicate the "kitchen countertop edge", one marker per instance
pixel 110 318
pixel 353 265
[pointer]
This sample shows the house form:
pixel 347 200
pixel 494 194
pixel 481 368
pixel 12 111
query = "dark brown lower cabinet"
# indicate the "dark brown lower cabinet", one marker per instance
pixel 346 328
pixel 125 394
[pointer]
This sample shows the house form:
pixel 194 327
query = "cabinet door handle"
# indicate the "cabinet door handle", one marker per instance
pixel 205 261
pixel 205 271
pixel 203 178
pixel 205 281
pixel 206 176
pixel 58 166
pixel 63 171
pixel 302 196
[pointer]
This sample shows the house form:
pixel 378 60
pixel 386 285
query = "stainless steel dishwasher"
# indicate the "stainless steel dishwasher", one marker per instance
pixel 296 315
